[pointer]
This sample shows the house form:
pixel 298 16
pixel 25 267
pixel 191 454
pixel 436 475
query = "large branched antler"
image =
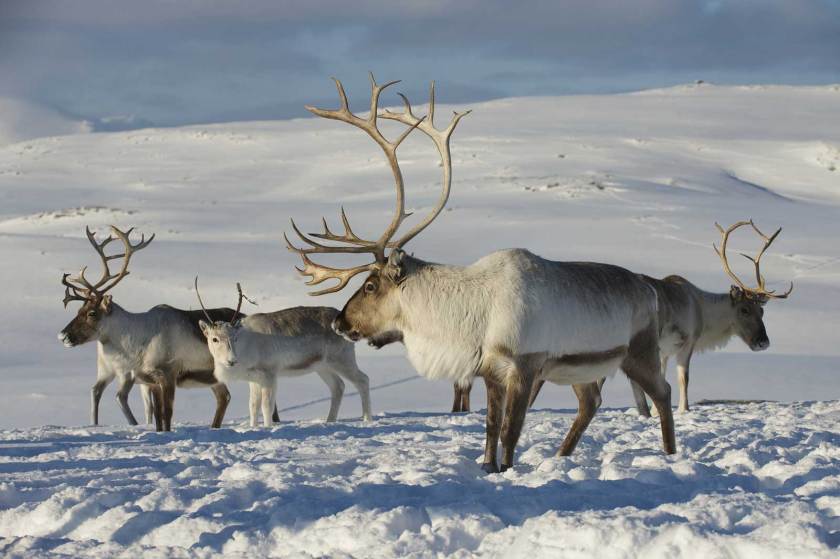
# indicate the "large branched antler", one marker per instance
pixel 355 244
pixel 441 140
pixel 760 291
pixel 80 289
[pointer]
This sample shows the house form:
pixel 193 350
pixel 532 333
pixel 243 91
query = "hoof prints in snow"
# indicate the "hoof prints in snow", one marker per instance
pixel 760 478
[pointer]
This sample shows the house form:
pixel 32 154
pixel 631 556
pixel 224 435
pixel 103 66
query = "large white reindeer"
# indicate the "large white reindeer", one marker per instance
pixel 292 342
pixel 692 320
pixel 161 348
pixel 512 317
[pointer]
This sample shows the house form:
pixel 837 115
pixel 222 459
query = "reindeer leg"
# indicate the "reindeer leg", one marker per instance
pixel 465 397
pixel 456 404
pixel 535 391
pixel 126 384
pixel 157 405
pixel 642 364
pixel 254 402
pixel 589 400
pixel 168 389
pixel 683 362
pixel 663 369
pixel 268 397
pixel 336 386
pixel 641 400
pixel 95 396
pixel 148 404
pixel 519 386
pixel 222 394
pixel 347 368
pixel 495 401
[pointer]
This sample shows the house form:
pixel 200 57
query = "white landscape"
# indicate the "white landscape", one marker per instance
pixel 634 179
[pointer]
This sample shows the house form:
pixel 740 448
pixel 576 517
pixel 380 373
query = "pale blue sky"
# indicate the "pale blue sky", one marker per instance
pixel 174 62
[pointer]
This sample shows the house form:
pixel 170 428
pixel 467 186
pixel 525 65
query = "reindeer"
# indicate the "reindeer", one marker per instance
pixel 511 317
pixel 293 342
pixel 692 320
pixel 161 348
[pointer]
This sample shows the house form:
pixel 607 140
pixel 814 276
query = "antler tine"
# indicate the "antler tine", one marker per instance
pixel 321 248
pixel 441 141
pixel 69 296
pixel 239 302
pixel 722 251
pixel 128 252
pixel 349 236
pixel 200 302
pixel 762 289
pixel 319 274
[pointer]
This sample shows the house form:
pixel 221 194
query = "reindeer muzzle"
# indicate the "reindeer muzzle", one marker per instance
pixel 64 338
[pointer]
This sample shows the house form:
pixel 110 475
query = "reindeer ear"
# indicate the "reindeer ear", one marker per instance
pixel 204 326
pixel 105 304
pixel 395 269
pixel 736 294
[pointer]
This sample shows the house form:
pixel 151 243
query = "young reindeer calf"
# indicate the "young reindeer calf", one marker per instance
pixel 288 343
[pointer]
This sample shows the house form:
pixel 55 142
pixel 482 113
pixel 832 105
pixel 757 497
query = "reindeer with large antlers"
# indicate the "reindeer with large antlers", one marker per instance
pixel 161 348
pixel 511 317
pixel 692 320
pixel 292 342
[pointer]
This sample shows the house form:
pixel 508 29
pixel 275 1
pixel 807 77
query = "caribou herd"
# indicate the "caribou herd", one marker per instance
pixel 512 318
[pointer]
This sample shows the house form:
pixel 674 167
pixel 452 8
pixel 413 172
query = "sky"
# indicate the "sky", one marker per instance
pixel 122 64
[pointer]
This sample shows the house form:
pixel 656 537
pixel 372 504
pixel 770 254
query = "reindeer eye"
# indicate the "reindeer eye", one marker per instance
pixel 91 313
pixel 215 340
pixel 370 287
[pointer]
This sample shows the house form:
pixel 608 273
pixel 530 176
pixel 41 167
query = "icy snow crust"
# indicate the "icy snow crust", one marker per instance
pixel 757 480
pixel 636 180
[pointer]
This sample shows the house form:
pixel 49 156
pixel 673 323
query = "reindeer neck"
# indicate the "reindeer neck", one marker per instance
pixel 437 301
pixel 123 329
pixel 718 320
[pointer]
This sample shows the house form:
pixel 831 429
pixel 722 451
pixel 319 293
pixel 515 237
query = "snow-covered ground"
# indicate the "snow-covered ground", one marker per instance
pixel 754 480
pixel 635 179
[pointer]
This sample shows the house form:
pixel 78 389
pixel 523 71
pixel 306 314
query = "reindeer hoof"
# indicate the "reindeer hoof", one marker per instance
pixel 505 468
pixel 490 468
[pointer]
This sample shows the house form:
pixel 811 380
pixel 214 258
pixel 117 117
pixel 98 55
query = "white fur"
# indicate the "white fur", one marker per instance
pixel 262 356
pixel 455 319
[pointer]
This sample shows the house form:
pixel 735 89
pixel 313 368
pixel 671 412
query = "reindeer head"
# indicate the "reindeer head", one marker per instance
pixel 222 335
pixel 96 304
pixel 748 302
pixel 374 309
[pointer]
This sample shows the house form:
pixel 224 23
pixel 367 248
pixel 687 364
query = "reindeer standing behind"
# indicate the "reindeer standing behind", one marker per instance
pixel 161 348
pixel 511 317
pixel 692 320
pixel 292 342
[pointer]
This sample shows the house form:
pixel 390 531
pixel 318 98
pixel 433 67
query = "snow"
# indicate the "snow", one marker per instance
pixel 636 179
pixel 749 480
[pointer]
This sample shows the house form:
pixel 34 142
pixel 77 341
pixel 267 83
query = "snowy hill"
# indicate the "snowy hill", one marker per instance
pixel 21 120
pixel 636 179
